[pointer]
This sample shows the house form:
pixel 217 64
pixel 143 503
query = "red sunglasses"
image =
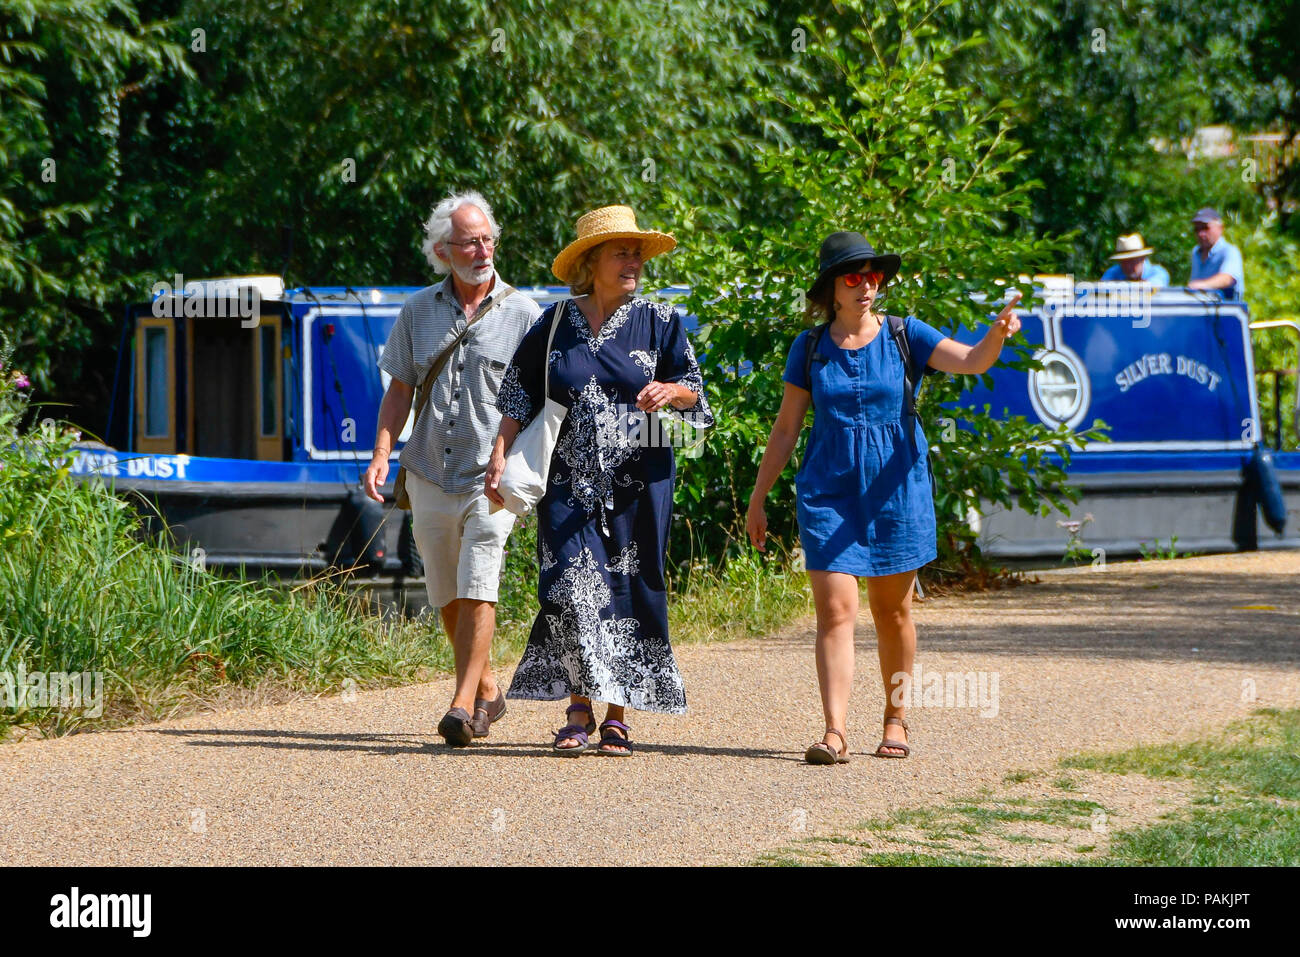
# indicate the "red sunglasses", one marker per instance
pixel 854 279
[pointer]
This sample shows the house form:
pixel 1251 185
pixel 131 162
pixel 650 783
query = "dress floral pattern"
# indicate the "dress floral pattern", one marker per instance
pixel 602 631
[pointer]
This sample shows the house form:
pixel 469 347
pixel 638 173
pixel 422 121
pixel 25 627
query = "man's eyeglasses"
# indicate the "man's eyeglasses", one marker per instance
pixel 487 242
pixel 855 279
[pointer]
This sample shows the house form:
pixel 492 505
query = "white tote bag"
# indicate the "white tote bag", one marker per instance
pixel 528 464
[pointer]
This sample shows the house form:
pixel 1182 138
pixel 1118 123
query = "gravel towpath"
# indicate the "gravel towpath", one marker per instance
pixel 1083 661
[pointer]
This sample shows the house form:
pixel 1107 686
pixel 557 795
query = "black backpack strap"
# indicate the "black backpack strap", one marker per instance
pixel 897 329
pixel 814 343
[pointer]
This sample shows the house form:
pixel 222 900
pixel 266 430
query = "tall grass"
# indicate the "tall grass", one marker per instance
pixel 80 592
pixel 83 591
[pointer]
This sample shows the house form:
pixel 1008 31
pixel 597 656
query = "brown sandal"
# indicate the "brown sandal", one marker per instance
pixel 487 713
pixel 823 753
pixel 887 742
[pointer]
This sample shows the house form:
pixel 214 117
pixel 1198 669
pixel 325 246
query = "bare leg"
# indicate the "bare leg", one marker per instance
pixel 487 682
pixel 472 643
pixel 448 612
pixel 890 597
pixel 836 598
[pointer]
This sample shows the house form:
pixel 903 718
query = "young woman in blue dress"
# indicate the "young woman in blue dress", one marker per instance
pixel 864 495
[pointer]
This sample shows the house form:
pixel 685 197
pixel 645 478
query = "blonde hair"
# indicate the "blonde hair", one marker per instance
pixel 584 271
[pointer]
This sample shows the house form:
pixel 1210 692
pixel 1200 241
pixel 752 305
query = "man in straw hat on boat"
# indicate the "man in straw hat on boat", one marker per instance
pixel 1131 263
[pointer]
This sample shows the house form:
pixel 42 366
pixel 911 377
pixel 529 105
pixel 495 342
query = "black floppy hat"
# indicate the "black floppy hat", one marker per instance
pixel 844 249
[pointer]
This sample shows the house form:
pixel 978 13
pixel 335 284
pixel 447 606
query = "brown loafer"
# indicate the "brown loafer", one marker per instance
pixel 487 712
pixel 455 728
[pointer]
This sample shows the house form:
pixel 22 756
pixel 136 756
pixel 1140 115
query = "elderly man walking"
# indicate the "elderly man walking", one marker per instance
pixel 465 331
pixel 1216 263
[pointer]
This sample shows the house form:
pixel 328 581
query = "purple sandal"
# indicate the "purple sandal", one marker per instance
pixel 609 739
pixel 591 718
pixel 577 732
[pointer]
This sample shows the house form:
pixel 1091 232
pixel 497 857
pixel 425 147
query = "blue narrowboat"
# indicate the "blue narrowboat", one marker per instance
pixel 1172 373
pixel 245 413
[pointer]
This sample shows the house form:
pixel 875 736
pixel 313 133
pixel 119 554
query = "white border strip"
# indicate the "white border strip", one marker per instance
pixel 308 318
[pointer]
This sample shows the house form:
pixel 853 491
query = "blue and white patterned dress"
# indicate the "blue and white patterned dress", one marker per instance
pixel 602 631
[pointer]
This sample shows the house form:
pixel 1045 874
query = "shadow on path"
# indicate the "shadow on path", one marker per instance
pixel 1155 615
pixel 415 744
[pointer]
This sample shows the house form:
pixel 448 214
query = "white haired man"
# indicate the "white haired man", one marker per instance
pixel 447 455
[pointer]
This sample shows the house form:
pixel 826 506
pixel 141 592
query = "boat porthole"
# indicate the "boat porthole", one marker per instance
pixel 1060 391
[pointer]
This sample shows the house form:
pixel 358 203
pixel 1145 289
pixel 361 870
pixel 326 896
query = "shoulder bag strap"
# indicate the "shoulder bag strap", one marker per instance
pixel 426 386
pixel 899 332
pixel 546 359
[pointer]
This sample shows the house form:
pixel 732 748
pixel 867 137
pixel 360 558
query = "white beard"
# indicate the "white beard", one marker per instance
pixel 475 276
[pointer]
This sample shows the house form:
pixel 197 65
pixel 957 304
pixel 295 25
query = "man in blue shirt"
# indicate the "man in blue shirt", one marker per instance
pixel 1132 265
pixel 1216 263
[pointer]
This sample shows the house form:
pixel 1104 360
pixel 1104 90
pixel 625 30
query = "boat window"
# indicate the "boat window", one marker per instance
pixel 223 393
pixel 270 356
pixel 157 400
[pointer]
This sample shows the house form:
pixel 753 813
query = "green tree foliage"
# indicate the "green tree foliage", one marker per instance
pixel 904 155
pixel 220 135
pixel 1110 94
pixel 347 122
pixel 67 73
pixel 1272 259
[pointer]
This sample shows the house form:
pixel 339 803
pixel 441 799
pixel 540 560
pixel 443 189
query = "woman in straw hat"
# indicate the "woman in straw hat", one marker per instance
pixel 602 631
pixel 863 491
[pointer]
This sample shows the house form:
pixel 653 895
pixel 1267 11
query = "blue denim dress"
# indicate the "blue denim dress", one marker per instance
pixel 865 502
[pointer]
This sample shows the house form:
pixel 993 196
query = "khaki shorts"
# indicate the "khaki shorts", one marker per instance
pixel 460 542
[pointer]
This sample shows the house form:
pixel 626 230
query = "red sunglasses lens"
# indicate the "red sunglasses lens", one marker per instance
pixel 854 279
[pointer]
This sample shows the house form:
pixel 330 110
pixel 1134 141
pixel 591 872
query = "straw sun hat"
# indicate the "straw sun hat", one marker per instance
pixel 1131 247
pixel 601 225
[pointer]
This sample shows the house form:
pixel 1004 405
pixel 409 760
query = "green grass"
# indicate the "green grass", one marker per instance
pixel 1259 756
pixel 81 590
pixel 1245 812
pixel 1246 832
pixel 1155 551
